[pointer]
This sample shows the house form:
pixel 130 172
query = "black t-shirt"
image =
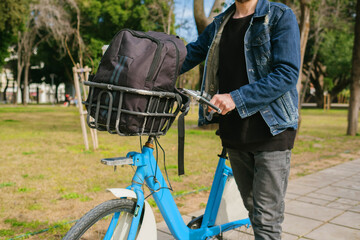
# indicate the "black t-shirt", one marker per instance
pixel 251 133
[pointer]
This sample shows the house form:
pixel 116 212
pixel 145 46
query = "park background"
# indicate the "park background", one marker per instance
pixel 47 177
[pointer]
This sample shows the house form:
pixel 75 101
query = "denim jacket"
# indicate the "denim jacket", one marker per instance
pixel 272 53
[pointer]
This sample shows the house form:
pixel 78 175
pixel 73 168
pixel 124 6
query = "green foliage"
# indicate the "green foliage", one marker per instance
pixel 94 49
pixel 6 232
pixel 24 190
pixel 12 13
pixel 6 39
pixel 34 228
pixel 74 195
pixel 151 202
pixel 202 205
pixel 28 153
pixel 71 196
pixel 101 20
pixel 332 34
pixel 176 179
pixel 336 53
pixel 172 167
pixel 7 184
pixel 35 206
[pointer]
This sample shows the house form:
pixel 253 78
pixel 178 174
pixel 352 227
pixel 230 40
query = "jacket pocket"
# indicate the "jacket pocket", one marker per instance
pixel 260 45
pixel 261 38
pixel 288 107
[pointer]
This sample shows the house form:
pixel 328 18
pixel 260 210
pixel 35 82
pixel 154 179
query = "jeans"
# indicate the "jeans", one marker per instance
pixel 262 179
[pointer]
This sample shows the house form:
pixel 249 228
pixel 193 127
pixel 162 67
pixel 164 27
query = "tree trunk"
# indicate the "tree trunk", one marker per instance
pixel 318 37
pixel 201 20
pixel 317 79
pixel 20 67
pixel 18 81
pixel 26 82
pixel 6 87
pixel 169 20
pixel 341 83
pixel 304 35
pixel 302 96
pixel 13 93
pixel 353 114
pixel 56 93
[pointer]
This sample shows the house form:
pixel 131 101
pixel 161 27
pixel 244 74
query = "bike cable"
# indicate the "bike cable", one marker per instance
pixel 167 175
pixel 152 191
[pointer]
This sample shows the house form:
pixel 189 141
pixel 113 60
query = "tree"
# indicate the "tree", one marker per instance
pixel 52 65
pixel 47 20
pixel 12 13
pixel 304 34
pixel 11 17
pixel 162 11
pixel 201 20
pixel 353 114
pixel 328 55
pixel 101 20
pixel 322 13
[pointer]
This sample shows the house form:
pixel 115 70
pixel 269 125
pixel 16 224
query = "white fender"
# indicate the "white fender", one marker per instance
pixel 231 206
pixel 122 192
pixel 148 230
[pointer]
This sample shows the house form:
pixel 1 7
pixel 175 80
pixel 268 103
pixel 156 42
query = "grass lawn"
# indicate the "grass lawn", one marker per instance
pixel 47 179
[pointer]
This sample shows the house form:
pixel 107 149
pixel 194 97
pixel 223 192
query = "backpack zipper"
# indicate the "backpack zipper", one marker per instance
pixel 177 60
pixel 157 56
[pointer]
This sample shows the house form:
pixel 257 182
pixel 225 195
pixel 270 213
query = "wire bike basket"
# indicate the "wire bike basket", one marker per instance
pixel 131 112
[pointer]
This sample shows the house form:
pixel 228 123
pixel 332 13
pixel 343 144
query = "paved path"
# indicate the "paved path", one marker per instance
pixel 323 205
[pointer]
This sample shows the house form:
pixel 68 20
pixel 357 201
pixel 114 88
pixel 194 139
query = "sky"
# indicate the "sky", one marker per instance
pixel 185 18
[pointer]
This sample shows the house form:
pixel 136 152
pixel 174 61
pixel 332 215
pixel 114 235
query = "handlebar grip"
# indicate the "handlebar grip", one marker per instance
pixel 201 99
pixel 205 101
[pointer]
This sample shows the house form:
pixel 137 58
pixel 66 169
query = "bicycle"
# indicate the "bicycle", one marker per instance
pixel 129 216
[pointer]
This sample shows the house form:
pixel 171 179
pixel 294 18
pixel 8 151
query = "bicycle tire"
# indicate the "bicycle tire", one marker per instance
pixel 85 227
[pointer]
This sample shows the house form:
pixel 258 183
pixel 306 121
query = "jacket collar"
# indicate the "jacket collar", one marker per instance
pixel 262 9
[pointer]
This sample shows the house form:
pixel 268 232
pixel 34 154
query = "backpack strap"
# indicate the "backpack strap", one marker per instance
pixel 181 131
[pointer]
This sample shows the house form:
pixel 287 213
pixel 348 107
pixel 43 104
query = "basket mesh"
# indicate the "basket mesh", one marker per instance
pixel 130 112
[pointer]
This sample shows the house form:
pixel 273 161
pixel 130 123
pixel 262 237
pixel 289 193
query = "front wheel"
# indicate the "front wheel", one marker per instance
pixel 95 223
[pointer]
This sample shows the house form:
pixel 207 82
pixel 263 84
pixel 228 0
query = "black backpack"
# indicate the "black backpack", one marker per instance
pixel 133 91
pixel 141 61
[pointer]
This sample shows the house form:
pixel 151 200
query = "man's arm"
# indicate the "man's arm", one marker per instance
pixel 285 69
pixel 197 51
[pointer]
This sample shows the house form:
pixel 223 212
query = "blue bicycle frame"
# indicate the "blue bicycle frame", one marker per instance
pixel 148 171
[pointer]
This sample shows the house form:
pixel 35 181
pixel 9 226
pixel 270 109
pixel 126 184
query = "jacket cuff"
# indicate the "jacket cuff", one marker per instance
pixel 239 103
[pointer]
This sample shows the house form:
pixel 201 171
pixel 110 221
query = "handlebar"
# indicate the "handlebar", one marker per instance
pixel 201 98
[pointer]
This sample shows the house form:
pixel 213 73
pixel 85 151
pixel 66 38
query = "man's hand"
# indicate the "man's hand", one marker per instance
pixel 224 102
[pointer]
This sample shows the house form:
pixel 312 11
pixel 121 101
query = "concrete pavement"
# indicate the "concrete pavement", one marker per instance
pixel 321 206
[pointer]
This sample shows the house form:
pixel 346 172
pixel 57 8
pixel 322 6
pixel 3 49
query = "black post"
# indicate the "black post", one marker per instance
pixel 37 95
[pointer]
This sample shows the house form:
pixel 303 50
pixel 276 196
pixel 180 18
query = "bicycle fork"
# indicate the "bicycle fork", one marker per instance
pixel 134 191
pixel 149 172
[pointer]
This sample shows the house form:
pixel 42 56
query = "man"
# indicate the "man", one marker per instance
pixel 252 54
